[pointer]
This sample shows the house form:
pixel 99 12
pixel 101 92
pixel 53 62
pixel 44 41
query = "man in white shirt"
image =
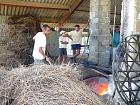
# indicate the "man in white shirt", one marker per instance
pixel 76 36
pixel 40 45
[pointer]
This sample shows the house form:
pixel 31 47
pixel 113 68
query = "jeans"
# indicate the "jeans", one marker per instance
pixel 38 61
pixel 115 53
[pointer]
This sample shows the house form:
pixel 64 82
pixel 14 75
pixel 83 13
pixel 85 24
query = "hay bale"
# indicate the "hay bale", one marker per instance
pixel 16 37
pixel 22 39
pixel 45 85
pixel 8 59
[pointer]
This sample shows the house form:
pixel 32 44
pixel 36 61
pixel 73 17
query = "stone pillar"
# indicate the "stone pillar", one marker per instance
pixel 99 31
pixel 128 17
pixel 131 25
pixel 137 15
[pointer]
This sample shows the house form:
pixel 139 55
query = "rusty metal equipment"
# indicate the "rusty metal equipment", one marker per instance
pixel 126 70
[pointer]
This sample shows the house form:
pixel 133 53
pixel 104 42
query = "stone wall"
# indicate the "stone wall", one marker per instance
pixel 100 31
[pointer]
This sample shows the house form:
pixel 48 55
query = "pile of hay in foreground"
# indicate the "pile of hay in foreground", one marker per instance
pixel 44 85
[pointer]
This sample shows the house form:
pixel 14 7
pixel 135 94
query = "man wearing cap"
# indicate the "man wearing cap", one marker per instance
pixel 63 41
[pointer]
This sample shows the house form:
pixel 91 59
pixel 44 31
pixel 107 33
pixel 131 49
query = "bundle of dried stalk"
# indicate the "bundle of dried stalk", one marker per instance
pixel 8 59
pixel 16 37
pixel 45 85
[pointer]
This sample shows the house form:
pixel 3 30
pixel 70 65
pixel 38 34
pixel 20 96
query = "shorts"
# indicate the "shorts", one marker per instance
pixel 76 46
pixel 63 51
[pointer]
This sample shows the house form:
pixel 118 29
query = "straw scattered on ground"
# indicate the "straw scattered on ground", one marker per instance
pixel 45 85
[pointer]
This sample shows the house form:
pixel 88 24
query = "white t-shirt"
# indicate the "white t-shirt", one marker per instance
pixel 76 36
pixel 63 39
pixel 40 41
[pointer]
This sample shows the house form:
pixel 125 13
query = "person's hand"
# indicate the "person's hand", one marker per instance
pixel 48 60
pixel 66 33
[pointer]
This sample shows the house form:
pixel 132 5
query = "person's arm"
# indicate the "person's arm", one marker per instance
pixel 34 37
pixel 69 35
pixel 81 31
pixel 41 42
pixel 48 59
pixel 64 42
pixel 42 52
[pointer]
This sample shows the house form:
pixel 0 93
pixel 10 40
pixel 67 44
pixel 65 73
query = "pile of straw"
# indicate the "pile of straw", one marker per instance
pixel 22 42
pixel 7 57
pixel 45 85
pixel 16 42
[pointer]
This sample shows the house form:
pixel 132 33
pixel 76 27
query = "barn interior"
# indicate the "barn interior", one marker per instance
pixel 116 79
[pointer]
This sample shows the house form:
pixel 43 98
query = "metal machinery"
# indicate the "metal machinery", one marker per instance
pixel 126 70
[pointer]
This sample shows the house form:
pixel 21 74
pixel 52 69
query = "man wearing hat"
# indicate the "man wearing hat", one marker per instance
pixel 63 41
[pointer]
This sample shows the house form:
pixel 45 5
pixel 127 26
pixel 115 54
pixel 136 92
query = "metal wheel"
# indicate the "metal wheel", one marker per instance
pixel 126 70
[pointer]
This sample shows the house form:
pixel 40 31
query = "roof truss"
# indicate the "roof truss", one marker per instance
pixel 33 4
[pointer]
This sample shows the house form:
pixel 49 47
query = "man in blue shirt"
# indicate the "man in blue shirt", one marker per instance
pixel 116 40
pixel 116 36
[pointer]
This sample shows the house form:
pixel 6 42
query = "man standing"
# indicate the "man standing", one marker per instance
pixel 76 36
pixel 63 41
pixel 116 40
pixel 40 45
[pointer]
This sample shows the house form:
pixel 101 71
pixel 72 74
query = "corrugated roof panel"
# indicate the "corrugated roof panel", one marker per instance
pixel 17 10
pixel 3 19
pixel 44 13
pixel 12 11
pixel 85 5
pixel 39 12
pixel 32 12
pixel 51 14
pixel 5 10
pixel 20 11
pixel 24 10
pixel 9 10
pixel 80 15
pixel 35 12
pixel 62 2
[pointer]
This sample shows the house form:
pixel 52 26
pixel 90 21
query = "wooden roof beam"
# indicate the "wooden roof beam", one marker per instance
pixel 72 9
pixel 48 20
pixel 33 4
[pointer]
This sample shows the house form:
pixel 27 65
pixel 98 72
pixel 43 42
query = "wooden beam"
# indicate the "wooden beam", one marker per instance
pixel 74 6
pixel 116 13
pixel 54 20
pixel 77 22
pixel 34 4
pixel 80 10
pixel 48 20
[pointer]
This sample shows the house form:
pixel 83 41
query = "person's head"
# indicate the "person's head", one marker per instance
pixel 77 27
pixel 62 33
pixel 45 29
pixel 117 29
